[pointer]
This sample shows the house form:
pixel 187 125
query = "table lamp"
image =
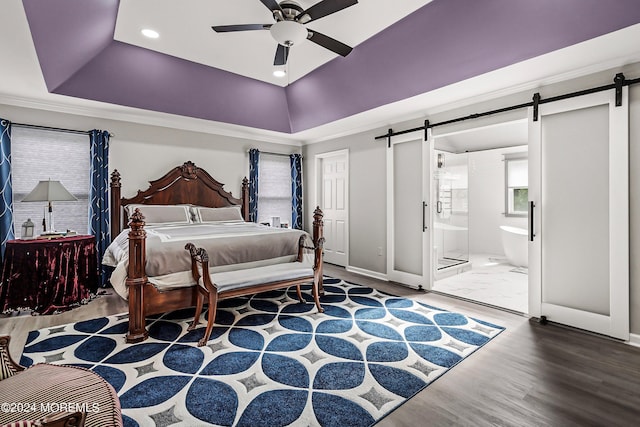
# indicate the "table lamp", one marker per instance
pixel 49 191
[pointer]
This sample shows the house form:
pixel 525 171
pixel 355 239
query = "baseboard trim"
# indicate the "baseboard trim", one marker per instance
pixel 368 273
pixel 634 340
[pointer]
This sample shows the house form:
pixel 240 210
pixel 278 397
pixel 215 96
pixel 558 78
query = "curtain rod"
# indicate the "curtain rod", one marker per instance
pixel 82 132
pixel 619 82
pixel 275 154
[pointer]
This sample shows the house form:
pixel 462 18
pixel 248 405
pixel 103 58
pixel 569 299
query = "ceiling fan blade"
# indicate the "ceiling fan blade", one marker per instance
pixel 282 53
pixel 329 43
pixel 271 4
pixel 324 8
pixel 241 27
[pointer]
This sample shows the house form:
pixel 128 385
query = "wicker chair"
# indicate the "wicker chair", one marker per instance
pixel 78 396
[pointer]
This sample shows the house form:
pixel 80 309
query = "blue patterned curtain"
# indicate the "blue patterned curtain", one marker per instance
pixel 254 159
pixel 296 191
pixel 6 208
pixel 99 196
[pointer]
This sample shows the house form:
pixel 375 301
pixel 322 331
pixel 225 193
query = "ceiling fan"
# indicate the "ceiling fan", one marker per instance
pixel 289 28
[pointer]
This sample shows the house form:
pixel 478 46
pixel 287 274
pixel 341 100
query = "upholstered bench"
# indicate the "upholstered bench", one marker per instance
pixel 249 281
pixel 54 395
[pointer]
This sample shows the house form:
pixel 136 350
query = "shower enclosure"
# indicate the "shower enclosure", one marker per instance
pixel 451 209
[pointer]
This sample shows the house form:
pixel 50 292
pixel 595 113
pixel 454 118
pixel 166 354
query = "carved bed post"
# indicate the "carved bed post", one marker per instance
pixel 115 204
pixel 136 278
pixel 245 199
pixel 318 240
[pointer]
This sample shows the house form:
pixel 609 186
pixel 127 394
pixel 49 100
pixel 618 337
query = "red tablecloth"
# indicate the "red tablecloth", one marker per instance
pixel 48 275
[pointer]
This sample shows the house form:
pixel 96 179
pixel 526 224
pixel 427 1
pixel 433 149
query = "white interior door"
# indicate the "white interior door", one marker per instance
pixel 578 184
pixel 333 169
pixel 408 216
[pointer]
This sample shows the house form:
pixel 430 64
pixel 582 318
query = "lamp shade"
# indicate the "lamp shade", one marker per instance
pixel 49 191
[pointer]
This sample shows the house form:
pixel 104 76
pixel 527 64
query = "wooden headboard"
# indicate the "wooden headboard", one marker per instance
pixel 185 184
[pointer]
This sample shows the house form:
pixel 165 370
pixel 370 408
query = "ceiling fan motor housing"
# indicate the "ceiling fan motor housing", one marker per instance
pixel 290 10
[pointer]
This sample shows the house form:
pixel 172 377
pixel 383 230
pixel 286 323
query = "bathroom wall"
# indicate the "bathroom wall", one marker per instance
pixel 486 200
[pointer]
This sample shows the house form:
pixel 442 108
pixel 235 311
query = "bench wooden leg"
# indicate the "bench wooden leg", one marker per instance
pixel 213 305
pixel 316 296
pixel 199 303
pixel 299 292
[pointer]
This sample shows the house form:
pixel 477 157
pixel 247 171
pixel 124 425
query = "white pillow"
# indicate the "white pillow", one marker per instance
pixel 162 214
pixel 226 214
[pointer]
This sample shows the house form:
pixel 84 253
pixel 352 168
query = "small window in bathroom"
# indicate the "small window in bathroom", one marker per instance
pixel 516 184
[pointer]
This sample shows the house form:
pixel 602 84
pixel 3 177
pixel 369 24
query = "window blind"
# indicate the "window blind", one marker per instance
pixel 274 194
pixel 38 155
pixel 517 173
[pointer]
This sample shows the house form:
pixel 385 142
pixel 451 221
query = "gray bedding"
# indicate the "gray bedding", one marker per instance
pixel 227 243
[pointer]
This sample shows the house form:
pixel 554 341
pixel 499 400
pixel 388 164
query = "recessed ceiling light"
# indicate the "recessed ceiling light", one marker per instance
pixel 279 73
pixel 150 33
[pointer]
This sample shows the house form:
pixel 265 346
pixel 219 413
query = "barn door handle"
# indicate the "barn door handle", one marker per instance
pixel 424 218
pixel 532 206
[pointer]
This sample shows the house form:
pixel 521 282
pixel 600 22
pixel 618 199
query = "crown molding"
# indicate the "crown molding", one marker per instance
pixel 100 110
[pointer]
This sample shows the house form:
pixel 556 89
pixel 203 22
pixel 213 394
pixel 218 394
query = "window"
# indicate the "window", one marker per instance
pixel 274 189
pixel 516 184
pixel 38 155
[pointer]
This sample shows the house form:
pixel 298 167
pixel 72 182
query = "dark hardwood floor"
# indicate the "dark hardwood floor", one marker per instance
pixel 529 375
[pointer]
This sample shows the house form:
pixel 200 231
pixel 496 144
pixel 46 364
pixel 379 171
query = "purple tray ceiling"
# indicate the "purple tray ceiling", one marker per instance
pixel 444 42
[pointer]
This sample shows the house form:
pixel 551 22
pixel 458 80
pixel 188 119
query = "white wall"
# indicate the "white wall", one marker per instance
pixel 142 153
pixel 367 191
pixel 486 201
pixel 368 172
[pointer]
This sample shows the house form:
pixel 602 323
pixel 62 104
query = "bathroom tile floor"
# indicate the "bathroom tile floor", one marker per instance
pixel 491 280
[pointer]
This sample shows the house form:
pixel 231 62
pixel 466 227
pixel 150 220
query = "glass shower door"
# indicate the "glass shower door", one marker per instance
pixel 451 216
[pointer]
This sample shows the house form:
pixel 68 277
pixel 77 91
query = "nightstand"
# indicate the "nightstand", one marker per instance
pixel 47 276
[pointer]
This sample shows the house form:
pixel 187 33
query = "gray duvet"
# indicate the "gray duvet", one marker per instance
pixel 227 243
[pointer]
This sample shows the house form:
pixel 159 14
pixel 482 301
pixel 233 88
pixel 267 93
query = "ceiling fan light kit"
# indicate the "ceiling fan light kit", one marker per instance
pixel 290 30
pixel 288 33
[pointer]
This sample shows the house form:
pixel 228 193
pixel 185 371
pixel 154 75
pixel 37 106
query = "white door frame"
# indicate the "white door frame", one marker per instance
pixel 318 188
pixel 616 324
pixel 425 280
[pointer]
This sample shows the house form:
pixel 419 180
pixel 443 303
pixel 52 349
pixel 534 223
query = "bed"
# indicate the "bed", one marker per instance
pixel 152 267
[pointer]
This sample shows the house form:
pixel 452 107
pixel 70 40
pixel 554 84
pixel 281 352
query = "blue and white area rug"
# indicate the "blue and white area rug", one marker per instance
pixel 272 361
